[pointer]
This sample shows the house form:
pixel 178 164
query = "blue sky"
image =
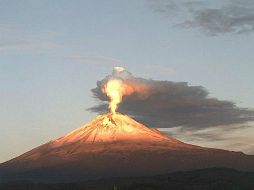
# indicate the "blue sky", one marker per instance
pixel 53 52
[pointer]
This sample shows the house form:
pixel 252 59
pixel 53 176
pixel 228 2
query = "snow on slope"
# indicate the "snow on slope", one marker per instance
pixel 112 128
pixel 103 134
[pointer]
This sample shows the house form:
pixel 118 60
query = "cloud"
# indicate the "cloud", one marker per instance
pixel 214 19
pixel 237 137
pixel 164 104
pixel 12 39
pixel 163 6
pixel 233 17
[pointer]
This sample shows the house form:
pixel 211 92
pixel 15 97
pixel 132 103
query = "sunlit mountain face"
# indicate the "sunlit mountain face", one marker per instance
pixel 115 145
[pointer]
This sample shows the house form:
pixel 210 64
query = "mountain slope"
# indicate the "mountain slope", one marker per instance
pixel 115 145
pixel 208 179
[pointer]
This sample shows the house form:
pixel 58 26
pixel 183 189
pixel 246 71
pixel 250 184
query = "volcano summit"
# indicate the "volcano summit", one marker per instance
pixel 115 145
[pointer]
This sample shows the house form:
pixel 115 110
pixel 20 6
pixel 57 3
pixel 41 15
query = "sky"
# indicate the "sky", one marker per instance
pixel 52 53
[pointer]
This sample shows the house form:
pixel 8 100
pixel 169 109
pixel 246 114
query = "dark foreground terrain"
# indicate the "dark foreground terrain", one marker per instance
pixel 210 179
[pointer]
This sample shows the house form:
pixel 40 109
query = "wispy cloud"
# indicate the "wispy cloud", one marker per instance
pixel 234 17
pixel 237 137
pixel 13 39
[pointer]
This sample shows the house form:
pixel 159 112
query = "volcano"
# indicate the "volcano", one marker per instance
pixel 116 146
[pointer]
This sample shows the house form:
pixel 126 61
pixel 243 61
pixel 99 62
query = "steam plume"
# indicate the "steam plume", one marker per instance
pixel 163 104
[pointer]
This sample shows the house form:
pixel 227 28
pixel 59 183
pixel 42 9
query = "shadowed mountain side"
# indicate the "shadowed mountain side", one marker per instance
pixel 115 146
pixel 209 179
